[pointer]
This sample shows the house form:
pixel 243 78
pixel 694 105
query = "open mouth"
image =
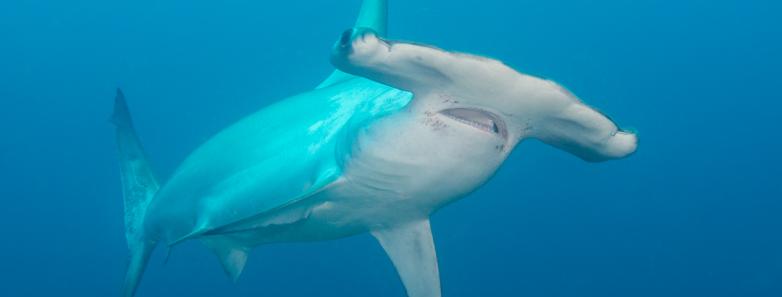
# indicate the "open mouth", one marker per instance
pixel 478 119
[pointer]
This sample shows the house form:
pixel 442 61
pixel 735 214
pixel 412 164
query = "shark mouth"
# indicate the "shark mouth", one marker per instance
pixel 479 119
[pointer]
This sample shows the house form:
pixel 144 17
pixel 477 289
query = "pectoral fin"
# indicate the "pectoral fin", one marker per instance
pixel 411 248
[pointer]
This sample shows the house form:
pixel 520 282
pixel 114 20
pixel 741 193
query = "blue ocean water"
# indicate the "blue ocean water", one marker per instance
pixel 695 212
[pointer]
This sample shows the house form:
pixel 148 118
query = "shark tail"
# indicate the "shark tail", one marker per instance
pixel 139 186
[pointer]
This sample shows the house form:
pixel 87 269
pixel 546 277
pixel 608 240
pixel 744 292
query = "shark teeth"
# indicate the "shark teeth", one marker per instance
pixel 478 119
pixel 488 128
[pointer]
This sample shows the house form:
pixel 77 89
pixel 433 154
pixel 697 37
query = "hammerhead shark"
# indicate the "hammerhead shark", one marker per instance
pixel 397 132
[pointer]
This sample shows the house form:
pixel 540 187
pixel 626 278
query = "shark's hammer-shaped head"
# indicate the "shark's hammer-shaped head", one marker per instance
pixel 485 94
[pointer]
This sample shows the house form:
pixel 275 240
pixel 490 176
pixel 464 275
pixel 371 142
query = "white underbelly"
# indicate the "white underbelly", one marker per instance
pixel 399 168
pixel 408 166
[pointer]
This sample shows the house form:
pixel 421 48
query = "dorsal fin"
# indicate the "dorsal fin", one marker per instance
pixel 373 15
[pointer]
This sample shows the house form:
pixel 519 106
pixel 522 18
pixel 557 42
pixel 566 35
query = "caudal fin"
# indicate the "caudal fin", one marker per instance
pixel 139 186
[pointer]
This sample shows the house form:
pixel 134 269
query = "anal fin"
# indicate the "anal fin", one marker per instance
pixel 411 248
pixel 232 256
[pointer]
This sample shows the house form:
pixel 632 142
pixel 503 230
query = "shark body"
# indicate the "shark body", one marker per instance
pixel 399 131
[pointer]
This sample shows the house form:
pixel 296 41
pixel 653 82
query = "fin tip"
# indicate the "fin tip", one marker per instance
pixel 121 114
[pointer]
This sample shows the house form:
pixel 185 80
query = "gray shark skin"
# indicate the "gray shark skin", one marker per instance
pixel 396 133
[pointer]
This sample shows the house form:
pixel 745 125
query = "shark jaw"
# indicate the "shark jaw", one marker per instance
pixel 479 119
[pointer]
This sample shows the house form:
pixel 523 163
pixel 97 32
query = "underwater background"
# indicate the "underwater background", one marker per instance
pixel 697 211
